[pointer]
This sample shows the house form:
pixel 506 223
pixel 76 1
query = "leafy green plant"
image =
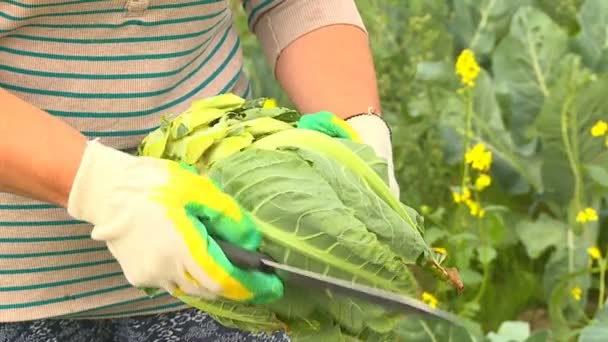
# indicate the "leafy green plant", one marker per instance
pixel 537 107
pixel 321 204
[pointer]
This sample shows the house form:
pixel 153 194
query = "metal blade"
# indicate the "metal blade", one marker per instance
pixel 384 298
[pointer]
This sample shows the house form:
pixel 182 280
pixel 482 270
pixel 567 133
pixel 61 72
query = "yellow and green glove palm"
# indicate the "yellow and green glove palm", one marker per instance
pixel 157 217
pixel 328 123
pixel 365 128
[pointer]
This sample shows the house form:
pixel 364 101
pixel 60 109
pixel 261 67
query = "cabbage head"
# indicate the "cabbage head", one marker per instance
pixel 321 204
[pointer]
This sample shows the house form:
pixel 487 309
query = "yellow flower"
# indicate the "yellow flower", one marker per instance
pixel 576 293
pixel 483 181
pixel 475 209
pixel 600 128
pixel 465 196
pixel 594 252
pixel 586 215
pixel 479 157
pixel 269 103
pixel 429 299
pixel 467 68
pixel 440 250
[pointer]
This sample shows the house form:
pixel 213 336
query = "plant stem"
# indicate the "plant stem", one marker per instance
pixel 484 13
pixel 600 298
pixel 428 331
pixel 484 282
pixel 486 266
pixel 467 135
pixel 575 171
pixel 570 249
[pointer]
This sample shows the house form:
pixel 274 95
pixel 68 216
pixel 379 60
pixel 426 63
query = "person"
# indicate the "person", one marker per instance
pixel 84 222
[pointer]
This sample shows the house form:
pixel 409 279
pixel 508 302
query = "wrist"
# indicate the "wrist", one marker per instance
pixel 373 131
pixel 100 168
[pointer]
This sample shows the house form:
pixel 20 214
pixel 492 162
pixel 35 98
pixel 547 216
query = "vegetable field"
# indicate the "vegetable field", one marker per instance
pixel 499 110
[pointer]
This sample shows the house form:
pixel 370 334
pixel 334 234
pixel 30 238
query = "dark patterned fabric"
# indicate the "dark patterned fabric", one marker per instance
pixel 186 326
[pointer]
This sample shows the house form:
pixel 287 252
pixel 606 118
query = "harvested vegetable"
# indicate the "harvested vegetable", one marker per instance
pixel 321 203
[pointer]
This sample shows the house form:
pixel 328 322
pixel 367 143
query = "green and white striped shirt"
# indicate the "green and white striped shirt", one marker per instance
pixel 111 69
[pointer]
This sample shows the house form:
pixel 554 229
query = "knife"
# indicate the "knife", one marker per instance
pixel 249 260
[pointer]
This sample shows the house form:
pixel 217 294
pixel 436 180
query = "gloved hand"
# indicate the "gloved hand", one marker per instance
pixel 367 128
pixel 156 215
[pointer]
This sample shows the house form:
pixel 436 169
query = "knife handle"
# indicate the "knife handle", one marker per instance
pixel 244 258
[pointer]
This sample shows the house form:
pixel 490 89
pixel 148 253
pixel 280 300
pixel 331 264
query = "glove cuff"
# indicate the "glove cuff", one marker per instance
pixel 100 168
pixel 375 132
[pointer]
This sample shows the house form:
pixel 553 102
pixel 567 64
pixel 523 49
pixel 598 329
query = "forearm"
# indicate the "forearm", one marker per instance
pixel 330 69
pixel 39 154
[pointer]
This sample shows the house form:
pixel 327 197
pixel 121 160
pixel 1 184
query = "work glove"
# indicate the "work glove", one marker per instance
pixel 157 218
pixel 366 128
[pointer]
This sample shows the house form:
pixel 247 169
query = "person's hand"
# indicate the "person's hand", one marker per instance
pixel 156 217
pixel 369 129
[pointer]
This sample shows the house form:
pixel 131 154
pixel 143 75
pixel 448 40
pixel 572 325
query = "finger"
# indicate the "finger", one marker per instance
pixel 243 285
pixel 192 287
pixel 196 274
pixel 224 219
pixel 265 288
pixel 169 286
pixel 329 124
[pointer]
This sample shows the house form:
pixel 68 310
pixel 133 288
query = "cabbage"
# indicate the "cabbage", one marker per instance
pixel 321 204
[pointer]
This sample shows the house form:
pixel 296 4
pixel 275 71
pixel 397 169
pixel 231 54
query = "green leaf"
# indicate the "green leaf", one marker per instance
pixel 577 101
pixel 264 125
pixel 470 277
pixel 598 329
pixel 486 254
pixel 434 234
pixel 434 71
pixel 596 332
pixel 593 39
pixel 425 330
pixel 560 299
pixel 568 268
pixel 366 207
pixel 539 235
pixel 189 148
pixel 226 147
pixel 154 144
pixel 598 174
pixel 511 331
pixel 326 332
pixel 540 336
pixel 357 315
pixel 524 62
pixel 254 318
pixel 478 25
pixel 319 203
pixel 512 165
pixel 512 287
pixel 312 229
pixel 563 12
pixel 367 154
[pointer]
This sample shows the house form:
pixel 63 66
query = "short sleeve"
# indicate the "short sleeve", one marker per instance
pixel 277 23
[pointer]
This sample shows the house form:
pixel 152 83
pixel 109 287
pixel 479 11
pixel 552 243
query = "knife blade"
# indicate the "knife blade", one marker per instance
pixel 249 260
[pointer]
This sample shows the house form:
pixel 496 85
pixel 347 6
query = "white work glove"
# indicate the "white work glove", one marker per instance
pixel 375 132
pixel 369 128
pixel 155 216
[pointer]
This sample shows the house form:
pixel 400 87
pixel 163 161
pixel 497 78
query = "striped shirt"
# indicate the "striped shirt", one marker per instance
pixel 111 69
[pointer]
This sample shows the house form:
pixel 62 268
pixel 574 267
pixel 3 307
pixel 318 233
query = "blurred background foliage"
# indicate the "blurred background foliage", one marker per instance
pixel 526 264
